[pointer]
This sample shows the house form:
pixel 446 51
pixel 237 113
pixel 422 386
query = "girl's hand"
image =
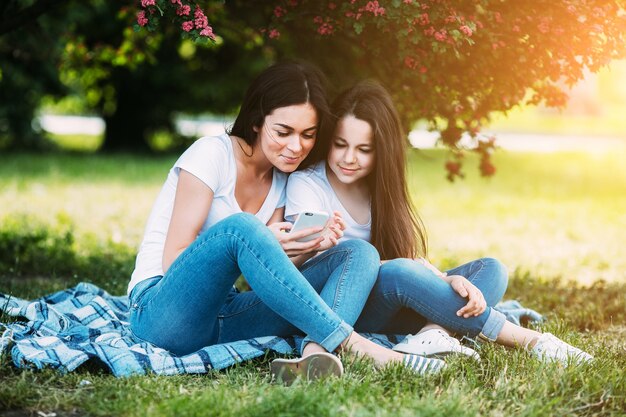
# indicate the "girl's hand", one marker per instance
pixel 333 232
pixel 289 243
pixel 476 304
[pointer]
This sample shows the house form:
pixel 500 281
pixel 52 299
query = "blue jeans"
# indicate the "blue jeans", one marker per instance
pixel 191 305
pixel 407 295
pixel 343 275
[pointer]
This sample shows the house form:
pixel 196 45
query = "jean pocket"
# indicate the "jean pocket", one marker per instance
pixel 139 296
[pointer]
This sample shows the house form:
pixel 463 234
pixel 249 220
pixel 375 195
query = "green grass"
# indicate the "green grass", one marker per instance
pixel 556 220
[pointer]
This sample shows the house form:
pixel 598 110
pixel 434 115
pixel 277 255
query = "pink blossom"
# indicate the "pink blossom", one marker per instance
pixel 410 62
pixel 515 28
pixel 408 1
pixel 424 19
pixel 543 27
pixel 466 30
pixel 187 26
pixel 430 31
pixel 325 29
pixel 332 6
pixel 146 3
pixel 293 3
pixel 142 20
pixel 423 70
pixel 208 32
pixel 183 10
pixel 274 34
pixel 318 20
pixel 279 11
pixel 450 19
pixel 200 19
pixel 374 8
pixel 176 2
pixel 441 36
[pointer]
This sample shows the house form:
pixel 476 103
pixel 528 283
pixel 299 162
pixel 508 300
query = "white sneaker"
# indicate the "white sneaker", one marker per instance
pixel 551 348
pixel 434 342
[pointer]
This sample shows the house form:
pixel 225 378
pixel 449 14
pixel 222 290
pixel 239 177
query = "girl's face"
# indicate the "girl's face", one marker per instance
pixel 288 135
pixel 352 155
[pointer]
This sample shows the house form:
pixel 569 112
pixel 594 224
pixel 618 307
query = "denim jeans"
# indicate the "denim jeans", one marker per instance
pixel 343 275
pixel 181 311
pixel 407 295
pixel 194 304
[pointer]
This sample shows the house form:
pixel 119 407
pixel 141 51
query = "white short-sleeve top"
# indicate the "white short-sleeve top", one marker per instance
pixel 212 160
pixel 309 190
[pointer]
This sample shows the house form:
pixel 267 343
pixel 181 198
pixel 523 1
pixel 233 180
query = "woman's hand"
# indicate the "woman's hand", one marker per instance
pixel 476 304
pixel 289 243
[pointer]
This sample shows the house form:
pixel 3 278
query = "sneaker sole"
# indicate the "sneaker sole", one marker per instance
pixel 312 367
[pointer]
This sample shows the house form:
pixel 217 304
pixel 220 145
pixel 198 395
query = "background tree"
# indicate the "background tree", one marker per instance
pixel 451 63
pixel 28 53
pixel 455 63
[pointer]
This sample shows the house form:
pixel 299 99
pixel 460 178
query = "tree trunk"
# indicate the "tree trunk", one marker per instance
pixel 127 128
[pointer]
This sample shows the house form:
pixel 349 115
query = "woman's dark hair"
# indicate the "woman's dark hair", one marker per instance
pixel 397 230
pixel 281 85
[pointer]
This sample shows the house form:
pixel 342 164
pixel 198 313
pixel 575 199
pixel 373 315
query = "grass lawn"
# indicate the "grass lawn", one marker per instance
pixel 557 220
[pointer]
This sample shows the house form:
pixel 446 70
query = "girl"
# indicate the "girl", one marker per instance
pixel 364 179
pixel 219 215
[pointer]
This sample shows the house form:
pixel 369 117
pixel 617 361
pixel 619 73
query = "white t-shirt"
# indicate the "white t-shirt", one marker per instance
pixel 309 190
pixel 212 160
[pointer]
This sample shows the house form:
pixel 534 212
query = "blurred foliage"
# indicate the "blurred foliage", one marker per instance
pixel 134 80
pixel 453 64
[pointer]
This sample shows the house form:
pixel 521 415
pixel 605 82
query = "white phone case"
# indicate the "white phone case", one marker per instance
pixel 310 219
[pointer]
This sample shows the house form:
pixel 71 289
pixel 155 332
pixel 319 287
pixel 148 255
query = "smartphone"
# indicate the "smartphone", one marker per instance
pixel 308 219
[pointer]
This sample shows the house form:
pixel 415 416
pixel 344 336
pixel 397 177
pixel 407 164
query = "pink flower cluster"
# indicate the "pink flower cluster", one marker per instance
pixel 324 26
pixel 374 8
pixel 200 22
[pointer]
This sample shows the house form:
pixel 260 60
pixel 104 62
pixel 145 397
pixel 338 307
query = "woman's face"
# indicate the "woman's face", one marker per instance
pixel 288 135
pixel 352 154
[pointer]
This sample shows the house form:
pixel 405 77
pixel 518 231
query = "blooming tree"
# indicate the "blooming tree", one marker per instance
pixel 454 63
pixel 188 15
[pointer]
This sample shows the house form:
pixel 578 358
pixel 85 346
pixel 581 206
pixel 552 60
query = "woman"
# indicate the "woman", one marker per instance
pixel 364 179
pixel 219 215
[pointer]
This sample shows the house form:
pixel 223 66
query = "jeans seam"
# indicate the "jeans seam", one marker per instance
pixel 340 284
pixel 475 274
pixel 225 316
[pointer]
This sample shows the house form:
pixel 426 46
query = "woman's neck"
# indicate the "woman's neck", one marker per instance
pixel 251 159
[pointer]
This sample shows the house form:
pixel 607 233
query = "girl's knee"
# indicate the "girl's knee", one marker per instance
pixel 500 271
pixel 403 272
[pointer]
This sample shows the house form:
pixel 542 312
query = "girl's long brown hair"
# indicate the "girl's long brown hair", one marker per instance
pixel 397 230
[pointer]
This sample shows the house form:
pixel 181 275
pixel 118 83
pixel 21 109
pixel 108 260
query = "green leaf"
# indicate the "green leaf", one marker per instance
pixel 358 27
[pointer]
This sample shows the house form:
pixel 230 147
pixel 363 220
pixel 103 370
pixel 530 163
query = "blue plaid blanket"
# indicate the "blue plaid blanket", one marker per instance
pixel 85 323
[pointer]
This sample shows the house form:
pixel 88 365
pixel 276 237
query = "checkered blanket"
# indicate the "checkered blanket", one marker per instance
pixel 85 323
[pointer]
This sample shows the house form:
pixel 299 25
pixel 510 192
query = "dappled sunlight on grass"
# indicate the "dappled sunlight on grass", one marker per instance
pixel 558 214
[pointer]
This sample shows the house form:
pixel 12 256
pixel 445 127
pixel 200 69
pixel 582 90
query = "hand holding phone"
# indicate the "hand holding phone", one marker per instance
pixel 308 219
